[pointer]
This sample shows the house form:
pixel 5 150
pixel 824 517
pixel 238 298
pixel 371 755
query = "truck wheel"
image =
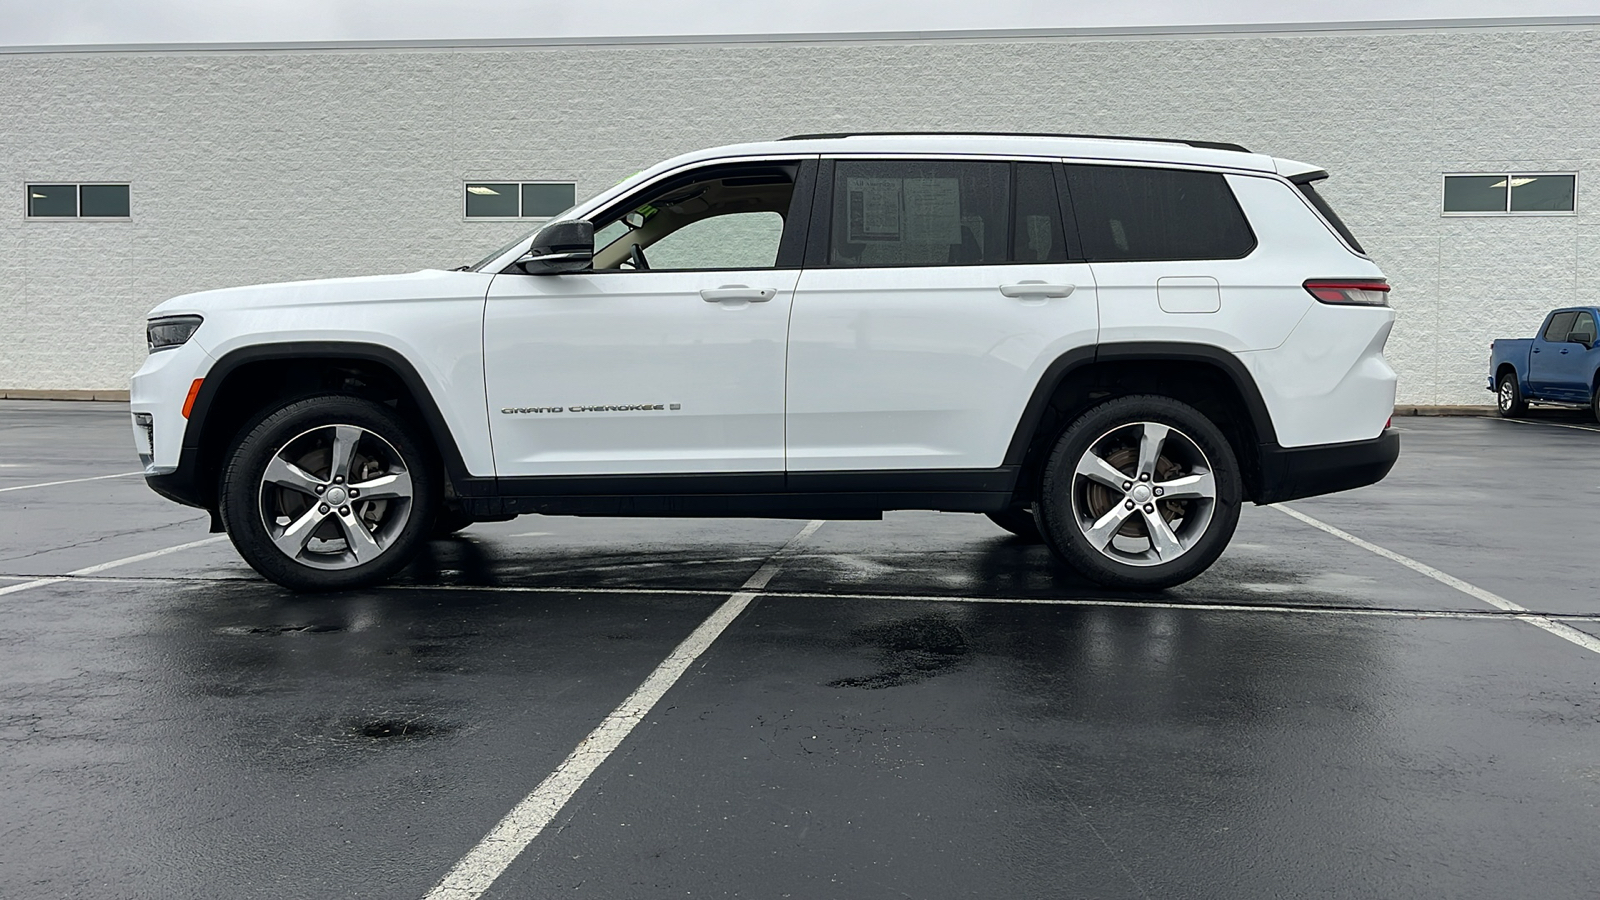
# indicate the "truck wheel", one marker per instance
pixel 1019 522
pixel 1141 492
pixel 1508 397
pixel 328 493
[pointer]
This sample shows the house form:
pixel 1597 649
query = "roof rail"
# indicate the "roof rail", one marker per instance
pixel 1208 145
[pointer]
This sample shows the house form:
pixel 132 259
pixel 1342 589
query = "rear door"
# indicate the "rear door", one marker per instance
pixel 935 293
pixel 1551 358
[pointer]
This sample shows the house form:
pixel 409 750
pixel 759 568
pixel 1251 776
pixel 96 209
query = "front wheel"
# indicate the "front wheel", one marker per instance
pixel 1508 397
pixel 1141 492
pixel 328 493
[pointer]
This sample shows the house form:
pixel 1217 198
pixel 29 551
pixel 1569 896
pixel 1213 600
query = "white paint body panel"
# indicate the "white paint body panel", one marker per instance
pixel 432 319
pixel 912 368
pixel 636 338
pixel 160 388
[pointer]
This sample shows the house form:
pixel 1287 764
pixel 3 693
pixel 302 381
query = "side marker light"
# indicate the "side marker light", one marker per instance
pixel 188 402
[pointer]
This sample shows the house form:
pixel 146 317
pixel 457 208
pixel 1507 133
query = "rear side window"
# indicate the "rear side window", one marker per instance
pixel 919 213
pixel 1128 214
pixel 1560 326
pixel 1321 203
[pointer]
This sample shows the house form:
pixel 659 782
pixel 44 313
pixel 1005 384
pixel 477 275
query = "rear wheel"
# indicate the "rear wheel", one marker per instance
pixel 1508 397
pixel 1018 521
pixel 1141 492
pixel 328 493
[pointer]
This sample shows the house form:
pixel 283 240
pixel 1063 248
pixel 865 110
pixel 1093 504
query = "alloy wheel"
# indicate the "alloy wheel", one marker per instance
pixel 1143 493
pixel 335 497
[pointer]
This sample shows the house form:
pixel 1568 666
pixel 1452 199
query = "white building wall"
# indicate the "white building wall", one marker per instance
pixel 265 165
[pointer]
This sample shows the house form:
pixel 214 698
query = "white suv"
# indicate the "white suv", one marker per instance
pixel 1107 344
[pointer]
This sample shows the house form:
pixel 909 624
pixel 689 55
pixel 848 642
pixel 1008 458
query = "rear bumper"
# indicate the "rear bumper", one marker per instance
pixel 1289 473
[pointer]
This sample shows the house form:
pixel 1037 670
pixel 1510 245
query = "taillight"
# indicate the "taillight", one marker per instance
pixel 1350 291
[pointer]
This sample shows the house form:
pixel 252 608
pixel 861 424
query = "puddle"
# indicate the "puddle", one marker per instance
pixel 914 650
pixel 280 629
pixel 389 729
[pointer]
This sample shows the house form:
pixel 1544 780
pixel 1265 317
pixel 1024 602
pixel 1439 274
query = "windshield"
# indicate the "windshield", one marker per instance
pixel 522 239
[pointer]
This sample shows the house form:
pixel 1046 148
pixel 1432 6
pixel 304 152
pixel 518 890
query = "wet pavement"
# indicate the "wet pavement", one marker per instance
pixel 918 707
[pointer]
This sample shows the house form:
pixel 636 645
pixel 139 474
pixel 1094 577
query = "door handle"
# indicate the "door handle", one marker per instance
pixel 738 292
pixel 1563 351
pixel 1537 350
pixel 1037 289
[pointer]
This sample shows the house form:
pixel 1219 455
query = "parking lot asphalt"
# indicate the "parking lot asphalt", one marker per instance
pixel 918 707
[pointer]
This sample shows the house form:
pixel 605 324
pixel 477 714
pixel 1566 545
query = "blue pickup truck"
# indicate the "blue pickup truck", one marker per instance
pixel 1556 366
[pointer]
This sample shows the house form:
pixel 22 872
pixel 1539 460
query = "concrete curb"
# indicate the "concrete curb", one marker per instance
pixel 1444 411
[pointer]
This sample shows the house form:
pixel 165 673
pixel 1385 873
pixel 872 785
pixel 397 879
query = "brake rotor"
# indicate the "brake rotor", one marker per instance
pixel 1100 499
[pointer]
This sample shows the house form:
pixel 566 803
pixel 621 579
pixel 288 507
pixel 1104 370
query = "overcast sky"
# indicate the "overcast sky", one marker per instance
pixel 26 22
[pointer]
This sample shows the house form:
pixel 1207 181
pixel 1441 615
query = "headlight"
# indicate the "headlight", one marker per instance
pixel 164 334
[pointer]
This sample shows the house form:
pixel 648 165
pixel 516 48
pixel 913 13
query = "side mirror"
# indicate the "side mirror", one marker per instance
pixel 559 247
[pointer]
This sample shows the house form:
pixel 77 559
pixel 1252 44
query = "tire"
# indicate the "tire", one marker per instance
pixel 1508 397
pixel 282 468
pixel 1018 521
pixel 449 520
pixel 1099 499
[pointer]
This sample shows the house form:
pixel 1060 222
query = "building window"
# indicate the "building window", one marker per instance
pixel 1511 194
pixel 519 199
pixel 77 201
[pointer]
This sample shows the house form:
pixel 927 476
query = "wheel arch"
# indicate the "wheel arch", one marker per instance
pixel 1208 378
pixel 244 381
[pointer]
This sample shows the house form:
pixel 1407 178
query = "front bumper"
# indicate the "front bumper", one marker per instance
pixel 1290 473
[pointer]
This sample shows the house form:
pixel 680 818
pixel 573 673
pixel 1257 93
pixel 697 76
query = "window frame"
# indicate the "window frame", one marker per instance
pixel 467 183
pixel 77 201
pixel 1444 180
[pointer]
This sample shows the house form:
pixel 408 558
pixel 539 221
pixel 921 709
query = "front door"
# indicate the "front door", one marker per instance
pixel 668 358
pixel 938 295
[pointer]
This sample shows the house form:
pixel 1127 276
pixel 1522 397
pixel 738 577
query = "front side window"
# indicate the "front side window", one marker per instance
pixel 1128 214
pixel 1583 331
pixel 744 240
pixel 78 201
pixel 1505 194
pixel 722 217
pixel 1560 326
pixel 922 213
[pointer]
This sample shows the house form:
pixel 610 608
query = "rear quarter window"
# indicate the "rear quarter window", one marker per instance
pixel 1129 214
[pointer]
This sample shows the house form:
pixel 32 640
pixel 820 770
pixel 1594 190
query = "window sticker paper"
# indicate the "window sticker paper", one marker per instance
pixel 933 210
pixel 874 209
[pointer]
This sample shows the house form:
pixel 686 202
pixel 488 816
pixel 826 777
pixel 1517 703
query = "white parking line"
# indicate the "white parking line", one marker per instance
pixel 23 487
pixel 579 590
pixel 95 569
pixel 1565 632
pixel 476 871
pixel 1552 424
